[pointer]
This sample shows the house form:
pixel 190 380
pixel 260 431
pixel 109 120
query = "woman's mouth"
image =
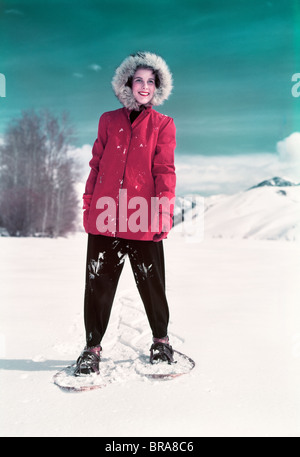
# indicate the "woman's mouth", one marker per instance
pixel 144 94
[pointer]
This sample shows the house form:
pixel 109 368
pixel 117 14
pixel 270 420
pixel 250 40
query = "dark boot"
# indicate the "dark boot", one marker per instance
pixel 161 350
pixel 88 361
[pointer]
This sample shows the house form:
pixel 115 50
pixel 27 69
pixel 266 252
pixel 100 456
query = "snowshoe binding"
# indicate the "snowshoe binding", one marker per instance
pixel 161 351
pixel 88 362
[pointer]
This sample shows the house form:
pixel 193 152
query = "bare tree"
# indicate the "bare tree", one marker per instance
pixel 37 176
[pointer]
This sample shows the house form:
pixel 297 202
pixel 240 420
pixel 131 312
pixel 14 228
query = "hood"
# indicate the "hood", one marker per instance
pixel 127 70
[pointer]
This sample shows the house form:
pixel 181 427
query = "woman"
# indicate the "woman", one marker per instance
pixel 129 202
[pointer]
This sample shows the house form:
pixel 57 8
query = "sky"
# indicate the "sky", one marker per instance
pixel 232 63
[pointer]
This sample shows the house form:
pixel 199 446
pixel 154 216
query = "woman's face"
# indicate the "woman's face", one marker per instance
pixel 143 85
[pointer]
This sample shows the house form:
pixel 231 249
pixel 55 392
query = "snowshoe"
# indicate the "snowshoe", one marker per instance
pixel 88 362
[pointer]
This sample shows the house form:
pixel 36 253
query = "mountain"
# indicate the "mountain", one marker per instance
pixel 275 182
pixel 269 210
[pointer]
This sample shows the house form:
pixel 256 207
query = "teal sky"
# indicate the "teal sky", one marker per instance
pixel 232 63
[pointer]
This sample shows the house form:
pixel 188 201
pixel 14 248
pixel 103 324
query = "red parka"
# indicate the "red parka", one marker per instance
pixel 132 168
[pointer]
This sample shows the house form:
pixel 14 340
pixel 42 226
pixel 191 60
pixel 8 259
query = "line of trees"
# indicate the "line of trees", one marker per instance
pixel 38 177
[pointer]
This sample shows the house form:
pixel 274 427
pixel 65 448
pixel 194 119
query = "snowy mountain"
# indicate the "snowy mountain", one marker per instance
pixel 275 182
pixel 269 210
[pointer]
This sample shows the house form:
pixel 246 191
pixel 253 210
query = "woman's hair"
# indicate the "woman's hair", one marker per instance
pixel 146 67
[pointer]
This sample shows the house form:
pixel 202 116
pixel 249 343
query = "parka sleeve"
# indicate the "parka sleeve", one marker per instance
pixel 163 168
pixel 97 153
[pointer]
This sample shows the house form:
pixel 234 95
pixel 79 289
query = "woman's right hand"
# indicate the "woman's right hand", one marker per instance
pixel 85 220
pixel 86 206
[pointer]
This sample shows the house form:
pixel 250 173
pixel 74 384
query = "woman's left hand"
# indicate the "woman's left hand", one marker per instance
pixel 160 236
pixel 166 225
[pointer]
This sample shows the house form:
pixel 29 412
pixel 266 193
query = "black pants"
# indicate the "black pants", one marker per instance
pixel 105 261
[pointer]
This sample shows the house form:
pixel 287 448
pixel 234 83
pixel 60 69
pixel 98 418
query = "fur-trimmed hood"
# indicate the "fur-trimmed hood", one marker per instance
pixel 127 70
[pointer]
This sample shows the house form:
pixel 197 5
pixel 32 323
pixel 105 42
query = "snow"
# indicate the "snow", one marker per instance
pixel 234 309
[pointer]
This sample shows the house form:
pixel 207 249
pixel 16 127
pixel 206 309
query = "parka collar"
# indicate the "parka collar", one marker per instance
pixel 146 109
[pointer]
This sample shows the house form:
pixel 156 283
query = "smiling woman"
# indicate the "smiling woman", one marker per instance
pixel 132 166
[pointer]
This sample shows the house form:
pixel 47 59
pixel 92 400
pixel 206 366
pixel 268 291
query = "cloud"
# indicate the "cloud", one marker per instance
pixel 95 67
pixel 209 175
pixel 78 75
pixel 82 155
pixel 289 149
pixel 16 12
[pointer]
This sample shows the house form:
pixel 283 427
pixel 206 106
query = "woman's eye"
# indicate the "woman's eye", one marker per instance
pixel 140 81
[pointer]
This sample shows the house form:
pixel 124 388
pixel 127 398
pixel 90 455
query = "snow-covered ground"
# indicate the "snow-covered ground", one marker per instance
pixel 234 309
